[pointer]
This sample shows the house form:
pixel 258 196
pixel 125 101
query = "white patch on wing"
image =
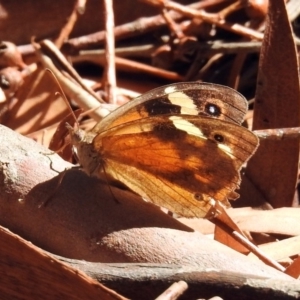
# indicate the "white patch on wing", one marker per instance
pixel 226 149
pixel 170 89
pixel 133 128
pixel 188 127
pixel 184 101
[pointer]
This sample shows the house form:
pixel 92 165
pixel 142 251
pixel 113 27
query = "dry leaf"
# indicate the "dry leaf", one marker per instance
pixel 274 167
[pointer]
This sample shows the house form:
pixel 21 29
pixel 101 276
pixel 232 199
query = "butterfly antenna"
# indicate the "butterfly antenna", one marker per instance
pixel 63 95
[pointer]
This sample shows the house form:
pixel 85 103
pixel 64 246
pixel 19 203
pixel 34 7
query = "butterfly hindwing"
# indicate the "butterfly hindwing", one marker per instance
pixel 178 161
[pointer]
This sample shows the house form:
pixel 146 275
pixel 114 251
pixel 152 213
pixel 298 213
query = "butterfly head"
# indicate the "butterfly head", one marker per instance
pixel 77 135
pixel 83 149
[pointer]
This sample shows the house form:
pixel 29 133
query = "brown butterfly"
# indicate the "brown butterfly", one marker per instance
pixel 179 146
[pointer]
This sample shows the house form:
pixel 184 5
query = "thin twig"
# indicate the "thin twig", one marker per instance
pixel 174 291
pixel 67 29
pixel 218 221
pixel 135 67
pixel 110 67
pixel 220 218
pixel 83 98
pixel 278 134
pixel 230 9
pixel 210 18
pixel 135 28
pixel 206 49
pixel 175 29
pixel 293 9
pixel 255 250
pixel 50 50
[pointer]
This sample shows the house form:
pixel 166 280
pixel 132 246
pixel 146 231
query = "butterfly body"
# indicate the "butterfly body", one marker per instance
pixel 177 156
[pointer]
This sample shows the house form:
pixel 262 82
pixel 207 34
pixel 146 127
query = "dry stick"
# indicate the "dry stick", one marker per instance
pixel 127 64
pixel 132 29
pixel 230 9
pixel 255 250
pixel 220 218
pixel 235 72
pixel 73 90
pixel 293 9
pixel 174 291
pixel 208 65
pixel 229 48
pixel 206 49
pixel 172 25
pixel 66 30
pixel 97 57
pixel 110 66
pixel 278 134
pixel 210 18
pixel 50 50
pixel 133 66
pixel 142 277
pixel 246 243
pixel 142 51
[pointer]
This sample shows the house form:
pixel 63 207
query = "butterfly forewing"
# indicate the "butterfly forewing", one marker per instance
pixel 193 98
pixel 179 162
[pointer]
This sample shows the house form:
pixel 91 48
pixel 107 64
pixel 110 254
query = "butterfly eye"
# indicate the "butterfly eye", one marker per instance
pixel 212 110
pixel 219 138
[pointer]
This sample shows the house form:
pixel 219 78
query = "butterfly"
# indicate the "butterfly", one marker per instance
pixel 179 146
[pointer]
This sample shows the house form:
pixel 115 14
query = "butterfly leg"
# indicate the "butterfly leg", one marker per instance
pixel 106 177
pixel 60 177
